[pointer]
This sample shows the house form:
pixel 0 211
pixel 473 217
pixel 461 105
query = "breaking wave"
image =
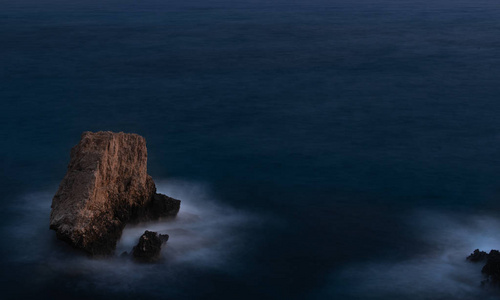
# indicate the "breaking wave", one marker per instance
pixel 206 234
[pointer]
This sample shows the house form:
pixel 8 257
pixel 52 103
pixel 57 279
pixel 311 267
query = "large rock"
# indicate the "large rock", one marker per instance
pixel 149 247
pixel 105 187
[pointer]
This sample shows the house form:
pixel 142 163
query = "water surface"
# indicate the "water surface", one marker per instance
pixel 322 149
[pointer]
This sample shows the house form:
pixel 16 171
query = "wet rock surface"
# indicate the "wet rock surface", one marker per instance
pixel 106 186
pixel 149 247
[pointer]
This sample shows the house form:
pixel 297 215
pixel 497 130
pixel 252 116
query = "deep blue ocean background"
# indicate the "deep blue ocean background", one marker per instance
pixel 348 149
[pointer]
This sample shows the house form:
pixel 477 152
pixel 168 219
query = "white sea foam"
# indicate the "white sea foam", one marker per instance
pixel 439 272
pixel 205 234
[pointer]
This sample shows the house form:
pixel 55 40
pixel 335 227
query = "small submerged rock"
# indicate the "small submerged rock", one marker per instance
pixel 477 256
pixel 492 267
pixel 149 247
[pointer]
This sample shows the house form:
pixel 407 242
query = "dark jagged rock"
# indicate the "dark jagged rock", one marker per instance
pixel 164 237
pixel 105 187
pixel 477 256
pixel 149 247
pixel 492 268
pixel 160 206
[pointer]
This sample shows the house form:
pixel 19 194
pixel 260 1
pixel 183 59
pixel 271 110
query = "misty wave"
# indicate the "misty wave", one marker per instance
pixel 439 272
pixel 203 232
pixel 205 235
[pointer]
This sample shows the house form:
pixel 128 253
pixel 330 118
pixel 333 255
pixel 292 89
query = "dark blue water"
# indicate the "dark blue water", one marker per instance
pixel 322 149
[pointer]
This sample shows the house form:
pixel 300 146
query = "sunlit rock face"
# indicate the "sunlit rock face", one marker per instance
pixel 106 186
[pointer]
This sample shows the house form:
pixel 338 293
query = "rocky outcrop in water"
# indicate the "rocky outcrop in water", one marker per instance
pixel 477 256
pixel 492 267
pixel 105 187
pixel 149 246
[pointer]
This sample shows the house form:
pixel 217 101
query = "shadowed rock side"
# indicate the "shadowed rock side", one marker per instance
pixel 106 186
pixel 149 246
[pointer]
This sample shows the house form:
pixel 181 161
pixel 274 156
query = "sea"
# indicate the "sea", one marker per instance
pixel 322 149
